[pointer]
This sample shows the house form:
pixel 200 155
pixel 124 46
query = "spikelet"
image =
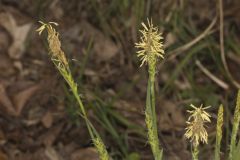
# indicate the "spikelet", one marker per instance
pixel 236 121
pixel 195 130
pixel 150 45
pixel 103 154
pixel 219 123
pixel 53 42
pixel 219 132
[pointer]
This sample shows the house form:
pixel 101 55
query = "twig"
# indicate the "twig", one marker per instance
pixel 183 48
pixel 222 49
pixel 211 76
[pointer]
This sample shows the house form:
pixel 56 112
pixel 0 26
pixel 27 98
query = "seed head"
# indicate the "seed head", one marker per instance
pixel 53 42
pixel 150 45
pixel 195 130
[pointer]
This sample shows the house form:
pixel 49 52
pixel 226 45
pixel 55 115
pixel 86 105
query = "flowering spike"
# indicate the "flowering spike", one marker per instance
pixel 195 130
pixel 54 42
pixel 150 45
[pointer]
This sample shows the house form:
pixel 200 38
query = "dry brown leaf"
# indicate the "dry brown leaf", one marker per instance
pixel 47 120
pixel 4 40
pixel 169 40
pixel 56 8
pixel 177 149
pixel 85 154
pixel 18 33
pixel 50 136
pixel 21 98
pixel 170 117
pixel 5 101
pixel 3 156
pixel 3 139
pixel 52 154
pixel 34 115
pixel 6 66
pixel 104 47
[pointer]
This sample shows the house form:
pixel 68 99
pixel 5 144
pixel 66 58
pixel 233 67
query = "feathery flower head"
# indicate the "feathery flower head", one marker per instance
pixel 195 130
pixel 53 42
pixel 150 45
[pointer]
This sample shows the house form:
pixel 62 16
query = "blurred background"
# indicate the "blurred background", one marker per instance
pixel 39 117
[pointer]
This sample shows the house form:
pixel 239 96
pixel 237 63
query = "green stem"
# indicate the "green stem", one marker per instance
pixel 195 153
pixel 236 121
pixel 75 93
pixel 157 152
pixel 92 131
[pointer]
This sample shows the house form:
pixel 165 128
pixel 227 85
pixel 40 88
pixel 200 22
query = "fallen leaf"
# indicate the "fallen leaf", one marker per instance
pixel 51 135
pixel 21 98
pixel 56 9
pixel 85 154
pixel 34 115
pixel 3 156
pixel 177 148
pixel 104 47
pixel 3 139
pixel 4 40
pixel 6 66
pixel 47 120
pixel 51 153
pixel 5 101
pixel 18 33
pixel 170 39
pixel 170 117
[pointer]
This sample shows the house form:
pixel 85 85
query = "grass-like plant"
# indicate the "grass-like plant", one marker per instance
pixel 151 48
pixel 59 60
pixel 195 130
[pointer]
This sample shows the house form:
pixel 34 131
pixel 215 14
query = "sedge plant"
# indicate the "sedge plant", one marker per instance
pixel 60 61
pixel 150 50
pixel 234 148
pixel 195 130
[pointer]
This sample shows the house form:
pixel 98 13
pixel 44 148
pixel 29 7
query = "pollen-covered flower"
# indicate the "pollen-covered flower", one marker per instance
pixel 150 45
pixel 195 130
pixel 53 42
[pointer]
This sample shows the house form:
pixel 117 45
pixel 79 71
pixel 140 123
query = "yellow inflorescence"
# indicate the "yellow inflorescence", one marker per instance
pixel 150 45
pixel 54 42
pixel 195 130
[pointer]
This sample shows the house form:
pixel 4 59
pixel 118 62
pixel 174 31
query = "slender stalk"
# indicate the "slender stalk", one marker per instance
pixel 236 121
pixel 61 63
pixel 219 133
pixel 151 49
pixel 66 73
pixel 195 152
pixel 152 108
